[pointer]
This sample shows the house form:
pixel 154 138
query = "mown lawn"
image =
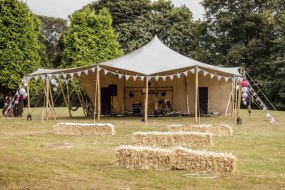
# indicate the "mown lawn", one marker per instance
pixel 32 157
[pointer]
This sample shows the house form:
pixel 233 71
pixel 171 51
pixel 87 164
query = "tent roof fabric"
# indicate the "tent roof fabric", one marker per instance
pixel 151 59
pixel 155 57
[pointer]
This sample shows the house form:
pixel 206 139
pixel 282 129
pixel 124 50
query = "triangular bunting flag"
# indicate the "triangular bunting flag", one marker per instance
pixel 127 77
pixel 64 75
pixel 141 77
pixel 43 77
pixel 163 78
pixel 105 71
pixel 71 75
pixel 120 76
pixel 78 73
pixel 135 77
pixel 226 79
pixel 192 71
pixel 178 75
pixel 36 77
pixel 219 78
pixel 93 69
pixel 171 77
pixel 156 77
pixel 198 70
pixel 205 73
pixel 185 73
pixel 212 75
pixel 57 76
pixel 86 72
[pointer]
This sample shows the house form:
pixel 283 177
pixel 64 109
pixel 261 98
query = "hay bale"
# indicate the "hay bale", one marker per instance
pixel 84 129
pixel 203 161
pixel 143 158
pixel 216 130
pixel 172 139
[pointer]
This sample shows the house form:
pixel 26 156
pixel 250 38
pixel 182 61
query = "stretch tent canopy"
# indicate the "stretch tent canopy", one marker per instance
pixel 154 59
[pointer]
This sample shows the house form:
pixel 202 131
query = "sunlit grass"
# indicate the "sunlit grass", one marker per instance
pixel 32 157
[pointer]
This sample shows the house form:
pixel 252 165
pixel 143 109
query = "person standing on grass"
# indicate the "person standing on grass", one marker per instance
pixel 248 103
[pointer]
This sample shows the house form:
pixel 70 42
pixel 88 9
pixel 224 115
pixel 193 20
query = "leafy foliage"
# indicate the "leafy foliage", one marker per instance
pixel 53 29
pixel 173 25
pixel 248 34
pixel 21 43
pixel 90 39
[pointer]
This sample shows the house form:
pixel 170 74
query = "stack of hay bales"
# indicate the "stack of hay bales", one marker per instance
pixel 144 157
pixel 172 139
pixel 84 129
pixel 216 130
pixel 177 158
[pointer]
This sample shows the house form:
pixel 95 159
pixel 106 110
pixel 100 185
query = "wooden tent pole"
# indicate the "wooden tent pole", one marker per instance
pixel 239 95
pixel 236 97
pixel 51 103
pixel 95 99
pixel 99 93
pixel 64 98
pixel 68 95
pixel 229 102
pixel 47 96
pixel 146 100
pixel 28 96
pixel 187 95
pixel 124 96
pixel 233 99
pixel 196 95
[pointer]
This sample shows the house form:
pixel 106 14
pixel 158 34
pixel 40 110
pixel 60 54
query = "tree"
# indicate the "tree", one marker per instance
pixel 90 38
pixel 173 25
pixel 124 11
pixel 53 29
pixel 244 33
pixel 21 43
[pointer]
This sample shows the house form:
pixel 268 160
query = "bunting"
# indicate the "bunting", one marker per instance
pixel 164 77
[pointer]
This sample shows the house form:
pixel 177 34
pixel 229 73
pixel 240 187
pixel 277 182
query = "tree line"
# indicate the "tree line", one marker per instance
pixel 233 33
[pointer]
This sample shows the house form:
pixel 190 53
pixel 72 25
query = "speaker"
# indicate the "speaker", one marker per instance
pixel 112 89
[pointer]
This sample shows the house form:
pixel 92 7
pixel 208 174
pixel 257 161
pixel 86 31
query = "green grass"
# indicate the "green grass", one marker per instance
pixel 32 157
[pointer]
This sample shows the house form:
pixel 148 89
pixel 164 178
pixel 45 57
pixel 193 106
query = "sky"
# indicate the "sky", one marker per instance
pixel 63 8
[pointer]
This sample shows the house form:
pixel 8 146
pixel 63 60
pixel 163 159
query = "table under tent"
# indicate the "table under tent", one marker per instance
pixel 152 79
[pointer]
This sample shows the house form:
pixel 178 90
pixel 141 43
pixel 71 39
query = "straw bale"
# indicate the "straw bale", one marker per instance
pixel 143 158
pixel 84 129
pixel 215 129
pixel 203 161
pixel 172 139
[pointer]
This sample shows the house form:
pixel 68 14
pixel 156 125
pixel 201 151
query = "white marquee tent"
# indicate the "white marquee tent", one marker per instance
pixel 149 71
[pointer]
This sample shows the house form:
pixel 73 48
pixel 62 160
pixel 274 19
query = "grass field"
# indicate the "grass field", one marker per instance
pixel 32 157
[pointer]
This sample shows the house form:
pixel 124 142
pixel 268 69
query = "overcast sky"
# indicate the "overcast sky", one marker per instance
pixel 63 8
